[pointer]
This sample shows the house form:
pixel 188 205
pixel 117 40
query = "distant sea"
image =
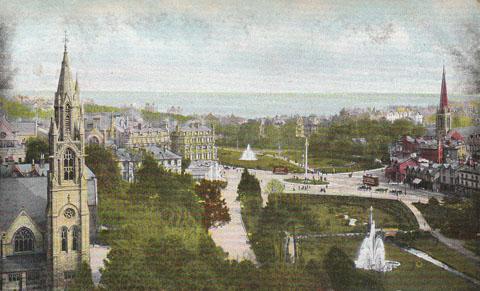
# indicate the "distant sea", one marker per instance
pixel 251 105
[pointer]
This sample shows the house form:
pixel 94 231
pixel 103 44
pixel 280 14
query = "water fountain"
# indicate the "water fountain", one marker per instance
pixel 371 255
pixel 248 155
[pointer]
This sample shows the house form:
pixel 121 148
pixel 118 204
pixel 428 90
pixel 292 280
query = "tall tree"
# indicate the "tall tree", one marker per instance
pixel 215 208
pixel 83 279
pixel 36 146
pixel 102 163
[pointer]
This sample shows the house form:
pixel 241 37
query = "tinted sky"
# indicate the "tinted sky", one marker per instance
pixel 241 46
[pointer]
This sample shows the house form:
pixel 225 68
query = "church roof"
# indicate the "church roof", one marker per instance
pixel 30 194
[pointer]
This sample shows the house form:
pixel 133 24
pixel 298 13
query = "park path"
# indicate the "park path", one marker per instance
pixel 456 245
pixel 232 237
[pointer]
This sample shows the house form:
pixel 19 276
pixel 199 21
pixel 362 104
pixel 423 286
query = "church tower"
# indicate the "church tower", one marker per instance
pixel 444 117
pixel 67 209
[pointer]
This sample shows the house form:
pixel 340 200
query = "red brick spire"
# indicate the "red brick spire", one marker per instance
pixel 443 94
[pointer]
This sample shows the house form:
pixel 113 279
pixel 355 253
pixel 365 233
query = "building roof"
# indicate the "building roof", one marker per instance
pixel 160 154
pixel 194 125
pixel 125 155
pixel 25 127
pixel 467 131
pixel 29 193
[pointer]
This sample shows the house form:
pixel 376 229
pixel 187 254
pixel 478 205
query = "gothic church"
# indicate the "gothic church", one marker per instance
pixel 48 210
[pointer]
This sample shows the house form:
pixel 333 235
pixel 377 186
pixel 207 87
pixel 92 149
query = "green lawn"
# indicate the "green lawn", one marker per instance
pixel 231 157
pixel 302 214
pixel 473 245
pixel 413 273
pixel 329 164
pixel 430 245
pixel 326 213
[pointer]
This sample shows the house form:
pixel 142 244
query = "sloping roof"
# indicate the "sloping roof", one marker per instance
pixel 193 125
pixel 161 154
pixel 25 127
pixel 30 194
pixel 124 155
pixel 468 130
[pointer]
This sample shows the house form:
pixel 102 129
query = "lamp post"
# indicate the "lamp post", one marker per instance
pixel 306 157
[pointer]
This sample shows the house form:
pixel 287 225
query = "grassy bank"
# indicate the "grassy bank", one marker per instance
pixel 231 157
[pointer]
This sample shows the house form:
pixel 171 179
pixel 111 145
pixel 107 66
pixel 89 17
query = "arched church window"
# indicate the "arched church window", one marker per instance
pixel 94 140
pixel 64 234
pixel 75 238
pixel 68 165
pixel 68 118
pixel 24 240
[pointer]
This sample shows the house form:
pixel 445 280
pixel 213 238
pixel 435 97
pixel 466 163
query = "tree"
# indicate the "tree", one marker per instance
pixel 274 187
pixel 102 163
pixel 215 208
pixel 36 146
pixel 340 269
pixel 185 164
pixel 83 279
pixel 249 185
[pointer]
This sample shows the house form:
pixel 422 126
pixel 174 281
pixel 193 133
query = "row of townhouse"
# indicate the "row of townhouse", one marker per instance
pixel 461 180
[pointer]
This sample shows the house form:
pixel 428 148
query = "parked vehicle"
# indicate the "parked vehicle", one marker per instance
pixel 370 180
pixel 280 170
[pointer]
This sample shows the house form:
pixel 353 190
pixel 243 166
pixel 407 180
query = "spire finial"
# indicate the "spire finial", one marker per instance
pixel 65 41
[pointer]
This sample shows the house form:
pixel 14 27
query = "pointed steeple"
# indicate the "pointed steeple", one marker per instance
pixel 443 93
pixel 53 127
pixel 65 82
pixel 77 85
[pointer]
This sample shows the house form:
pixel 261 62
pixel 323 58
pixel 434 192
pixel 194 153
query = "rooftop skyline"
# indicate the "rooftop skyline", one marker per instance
pixel 250 46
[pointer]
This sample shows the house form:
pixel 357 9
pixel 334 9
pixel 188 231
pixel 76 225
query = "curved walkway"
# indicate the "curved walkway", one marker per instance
pixel 232 237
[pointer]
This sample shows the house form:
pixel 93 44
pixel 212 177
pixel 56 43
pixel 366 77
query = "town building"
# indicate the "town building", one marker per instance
pixel 468 179
pixel 140 135
pixel 397 170
pixel 194 141
pixel 448 177
pixel 100 129
pixel 165 158
pixel 49 210
pixel 424 176
pixel 11 149
pixel 128 161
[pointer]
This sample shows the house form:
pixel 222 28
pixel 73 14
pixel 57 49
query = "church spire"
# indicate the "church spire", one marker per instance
pixel 443 93
pixel 65 82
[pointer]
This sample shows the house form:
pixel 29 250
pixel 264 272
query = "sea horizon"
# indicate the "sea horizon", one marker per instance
pixel 258 104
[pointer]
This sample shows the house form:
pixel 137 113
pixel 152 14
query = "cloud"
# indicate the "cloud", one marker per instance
pixel 7 73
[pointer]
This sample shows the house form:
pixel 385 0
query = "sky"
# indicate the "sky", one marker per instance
pixel 240 46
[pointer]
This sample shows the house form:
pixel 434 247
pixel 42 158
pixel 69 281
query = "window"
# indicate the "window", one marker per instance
pixel 14 277
pixel 68 275
pixel 75 238
pixel 69 165
pixel 33 276
pixel 68 118
pixel 23 240
pixel 64 235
